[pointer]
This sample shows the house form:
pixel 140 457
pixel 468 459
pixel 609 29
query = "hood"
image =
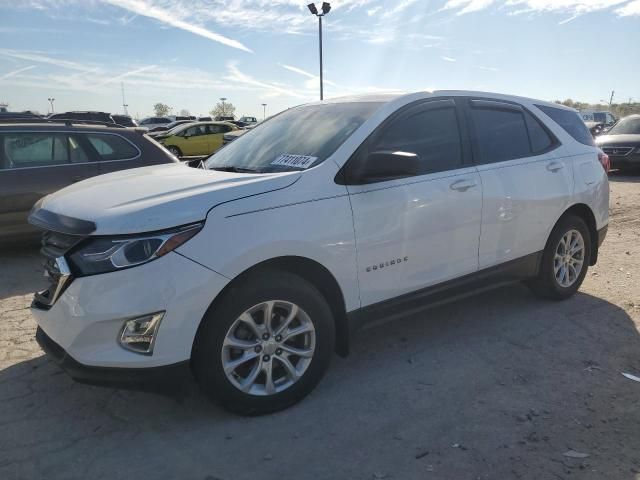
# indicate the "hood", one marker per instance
pixel 621 140
pixel 151 198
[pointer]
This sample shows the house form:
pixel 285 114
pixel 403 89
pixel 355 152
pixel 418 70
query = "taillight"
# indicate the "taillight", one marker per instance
pixel 604 161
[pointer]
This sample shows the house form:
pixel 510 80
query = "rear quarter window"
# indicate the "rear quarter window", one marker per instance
pixel 112 147
pixel 570 123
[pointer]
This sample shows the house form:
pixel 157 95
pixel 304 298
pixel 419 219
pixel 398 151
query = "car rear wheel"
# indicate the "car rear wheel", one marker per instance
pixel 175 151
pixel 565 260
pixel 265 345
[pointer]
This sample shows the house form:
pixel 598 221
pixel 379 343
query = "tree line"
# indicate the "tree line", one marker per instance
pixel 222 109
pixel 618 109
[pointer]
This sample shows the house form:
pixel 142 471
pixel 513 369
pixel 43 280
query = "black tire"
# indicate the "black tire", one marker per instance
pixel 175 150
pixel 263 286
pixel 545 284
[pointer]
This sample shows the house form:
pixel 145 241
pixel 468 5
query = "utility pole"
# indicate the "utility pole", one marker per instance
pixel 51 100
pixel 124 104
pixel 264 111
pixel 611 99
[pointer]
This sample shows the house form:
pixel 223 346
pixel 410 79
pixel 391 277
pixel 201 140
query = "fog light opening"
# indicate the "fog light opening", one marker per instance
pixel 138 334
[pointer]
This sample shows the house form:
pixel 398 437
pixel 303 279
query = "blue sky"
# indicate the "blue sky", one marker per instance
pixel 189 53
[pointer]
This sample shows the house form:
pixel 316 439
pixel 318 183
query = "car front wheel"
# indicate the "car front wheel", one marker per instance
pixel 265 345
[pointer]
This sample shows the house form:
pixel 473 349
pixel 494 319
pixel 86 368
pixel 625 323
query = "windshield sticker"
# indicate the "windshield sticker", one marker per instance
pixel 297 161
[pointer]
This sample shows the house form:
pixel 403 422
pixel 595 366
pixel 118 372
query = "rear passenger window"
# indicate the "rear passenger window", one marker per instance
pixel 432 133
pixel 501 134
pixel 570 123
pixel 112 147
pixel 540 138
pixel 21 150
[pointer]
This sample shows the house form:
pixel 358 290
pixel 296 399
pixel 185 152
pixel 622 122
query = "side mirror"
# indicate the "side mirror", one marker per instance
pixel 385 165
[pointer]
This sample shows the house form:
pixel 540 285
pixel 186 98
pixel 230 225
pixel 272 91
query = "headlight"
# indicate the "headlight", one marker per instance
pixel 107 254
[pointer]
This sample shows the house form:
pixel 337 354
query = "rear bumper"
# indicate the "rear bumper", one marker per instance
pixel 163 379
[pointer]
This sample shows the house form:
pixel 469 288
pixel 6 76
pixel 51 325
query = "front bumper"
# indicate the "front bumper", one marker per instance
pixel 86 320
pixel 166 378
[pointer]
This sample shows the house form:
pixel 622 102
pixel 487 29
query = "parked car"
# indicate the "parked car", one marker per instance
pixel 231 136
pixel 605 118
pixel 622 143
pixel 88 116
pixel 248 120
pixel 595 128
pixel 205 119
pixel 195 139
pixel 39 158
pixel 252 271
pixel 224 118
pixel 169 126
pixel 124 120
pixel 152 122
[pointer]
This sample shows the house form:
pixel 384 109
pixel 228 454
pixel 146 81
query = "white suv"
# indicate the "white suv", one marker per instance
pixel 252 271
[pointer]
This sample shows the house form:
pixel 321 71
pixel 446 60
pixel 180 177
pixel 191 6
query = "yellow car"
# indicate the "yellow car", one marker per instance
pixel 195 139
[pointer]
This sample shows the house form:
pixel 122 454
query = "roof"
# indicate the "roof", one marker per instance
pixel 388 97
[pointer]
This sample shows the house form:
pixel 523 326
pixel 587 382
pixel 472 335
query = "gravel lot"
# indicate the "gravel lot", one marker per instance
pixel 497 386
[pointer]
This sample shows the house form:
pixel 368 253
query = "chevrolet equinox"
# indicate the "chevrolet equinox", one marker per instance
pixel 251 271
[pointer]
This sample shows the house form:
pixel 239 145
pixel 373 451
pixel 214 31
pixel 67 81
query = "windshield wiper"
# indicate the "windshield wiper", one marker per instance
pixel 231 168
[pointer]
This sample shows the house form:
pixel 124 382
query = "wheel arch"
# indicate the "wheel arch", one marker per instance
pixel 312 271
pixel 583 211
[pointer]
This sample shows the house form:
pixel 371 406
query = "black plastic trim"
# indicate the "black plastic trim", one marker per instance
pixel 47 220
pixel 602 233
pixel 165 378
pixel 487 279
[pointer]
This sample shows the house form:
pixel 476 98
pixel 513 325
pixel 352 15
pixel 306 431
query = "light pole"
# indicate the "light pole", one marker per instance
pixel 51 100
pixel 264 111
pixel 326 8
pixel 224 110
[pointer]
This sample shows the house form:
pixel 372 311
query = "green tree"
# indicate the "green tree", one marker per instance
pixel 161 110
pixel 223 109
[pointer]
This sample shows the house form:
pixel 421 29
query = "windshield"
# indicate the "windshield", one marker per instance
pixel 626 126
pixel 296 139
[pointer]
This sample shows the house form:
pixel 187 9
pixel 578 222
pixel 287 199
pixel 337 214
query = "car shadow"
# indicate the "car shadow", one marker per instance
pixel 501 384
pixel 21 271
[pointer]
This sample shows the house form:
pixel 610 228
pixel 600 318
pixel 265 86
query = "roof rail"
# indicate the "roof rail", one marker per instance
pixel 67 122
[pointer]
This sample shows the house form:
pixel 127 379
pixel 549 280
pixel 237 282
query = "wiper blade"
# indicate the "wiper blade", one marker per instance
pixel 230 168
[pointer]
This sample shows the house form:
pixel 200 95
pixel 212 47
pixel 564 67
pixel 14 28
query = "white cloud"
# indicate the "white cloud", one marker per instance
pixel 13 73
pixel 629 9
pixel 466 6
pixel 448 59
pixel 574 8
pixel 172 16
pixel 38 57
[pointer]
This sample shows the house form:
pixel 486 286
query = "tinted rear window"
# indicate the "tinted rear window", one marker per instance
pixel 570 123
pixel 502 134
pixel 112 147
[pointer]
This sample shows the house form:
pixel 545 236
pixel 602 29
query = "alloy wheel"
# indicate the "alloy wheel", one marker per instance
pixel 569 258
pixel 268 348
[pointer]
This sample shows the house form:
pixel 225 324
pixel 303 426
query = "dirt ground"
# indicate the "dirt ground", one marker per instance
pixel 499 386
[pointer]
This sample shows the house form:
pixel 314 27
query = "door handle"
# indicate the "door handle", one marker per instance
pixel 462 185
pixel 555 166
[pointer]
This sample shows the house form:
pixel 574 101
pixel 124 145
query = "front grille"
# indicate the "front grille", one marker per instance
pixel 617 151
pixel 54 246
